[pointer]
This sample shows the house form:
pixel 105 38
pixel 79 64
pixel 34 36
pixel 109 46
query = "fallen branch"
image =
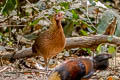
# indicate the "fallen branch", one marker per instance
pixel 73 42
pixel 90 41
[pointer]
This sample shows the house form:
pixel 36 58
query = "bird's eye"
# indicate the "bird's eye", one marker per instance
pixel 56 15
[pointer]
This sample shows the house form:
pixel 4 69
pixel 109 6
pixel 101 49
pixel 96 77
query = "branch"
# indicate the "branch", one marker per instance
pixel 73 42
pixel 90 41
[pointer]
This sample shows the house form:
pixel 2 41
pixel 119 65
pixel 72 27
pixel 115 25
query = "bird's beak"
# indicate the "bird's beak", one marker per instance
pixel 62 12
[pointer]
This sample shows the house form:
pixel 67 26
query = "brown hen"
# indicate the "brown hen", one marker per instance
pixel 50 42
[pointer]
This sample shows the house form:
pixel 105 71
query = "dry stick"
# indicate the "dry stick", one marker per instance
pixel 13 25
pixel 29 71
pixel 116 57
pixel 16 48
pixel 1 61
pixel 3 69
pixel 6 19
pixel 89 18
pixel 73 42
pixel 32 6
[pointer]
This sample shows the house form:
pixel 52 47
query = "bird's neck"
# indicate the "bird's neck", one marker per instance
pixel 59 25
pixel 56 25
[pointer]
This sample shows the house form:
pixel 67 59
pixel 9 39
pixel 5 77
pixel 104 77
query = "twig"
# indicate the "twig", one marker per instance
pixel 18 42
pixel 1 60
pixel 6 19
pixel 9 29
pixel 89 18
pixel 29 71
pixel 13 25
pixel 32 6
pixel 3 69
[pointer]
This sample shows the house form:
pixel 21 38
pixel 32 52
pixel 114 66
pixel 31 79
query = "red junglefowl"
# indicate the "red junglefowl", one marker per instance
pixel 79 69
pixel 50 42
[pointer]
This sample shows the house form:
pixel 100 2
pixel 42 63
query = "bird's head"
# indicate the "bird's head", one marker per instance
pixel 101 61
pixel 59 16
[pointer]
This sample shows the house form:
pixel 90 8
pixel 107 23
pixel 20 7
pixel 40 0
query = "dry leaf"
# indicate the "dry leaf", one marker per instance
pixel 37 27
pixel 110 30
pixel 110 78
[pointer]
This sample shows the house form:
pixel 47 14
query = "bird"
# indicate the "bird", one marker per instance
pixel 80 68
pixel 52 41
pixel 101 61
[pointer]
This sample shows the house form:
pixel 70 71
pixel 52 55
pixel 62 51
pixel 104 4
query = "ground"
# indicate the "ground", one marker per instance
pixel 14 71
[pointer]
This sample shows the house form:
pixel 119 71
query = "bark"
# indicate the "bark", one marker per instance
pixel 73 42
pixel 90 41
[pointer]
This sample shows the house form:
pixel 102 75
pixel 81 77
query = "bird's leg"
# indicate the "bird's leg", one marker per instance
pixel 47 65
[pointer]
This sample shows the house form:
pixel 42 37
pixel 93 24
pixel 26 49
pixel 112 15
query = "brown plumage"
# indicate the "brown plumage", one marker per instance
pixel 79 69
pixel 52 41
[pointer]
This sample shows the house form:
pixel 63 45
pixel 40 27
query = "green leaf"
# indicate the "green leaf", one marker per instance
pixel 9 6
pixel 101 48
pixel 75 15
pixel 83 32
pixel 111 49
pixel 88 50
pixel 90 29
pixel 65 5
pixel 34 22
pixel 9 43
pixel 96 0
pixel 69 27
pixel 1 36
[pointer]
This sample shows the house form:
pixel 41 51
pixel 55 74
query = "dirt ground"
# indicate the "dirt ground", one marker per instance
pixel 11 71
